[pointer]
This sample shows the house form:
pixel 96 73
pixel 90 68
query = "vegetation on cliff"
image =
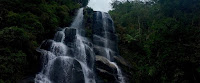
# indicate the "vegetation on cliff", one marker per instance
pixel 160 39
pixel 24 24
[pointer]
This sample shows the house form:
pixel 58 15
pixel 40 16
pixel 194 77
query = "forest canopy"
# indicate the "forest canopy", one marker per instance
pixel 24 24
pixel 160 39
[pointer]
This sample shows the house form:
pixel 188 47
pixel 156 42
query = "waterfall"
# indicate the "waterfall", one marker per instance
pixel 81 47
pixel 70 56
pixel 106 39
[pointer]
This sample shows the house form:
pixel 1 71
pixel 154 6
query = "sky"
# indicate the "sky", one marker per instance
pixel 100 5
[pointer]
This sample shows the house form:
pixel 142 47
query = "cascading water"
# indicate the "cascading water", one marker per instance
pixel 67 56
pixel 106 39
pixel 70 56
pixel 81 55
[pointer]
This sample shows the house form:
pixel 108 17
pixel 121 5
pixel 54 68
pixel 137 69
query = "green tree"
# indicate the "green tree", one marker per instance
pixel 159 38
pixel 24 24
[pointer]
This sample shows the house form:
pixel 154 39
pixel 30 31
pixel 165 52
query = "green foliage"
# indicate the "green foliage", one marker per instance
pixel 14 37
pixel 160 39
pixel 12 65
pixel 24 24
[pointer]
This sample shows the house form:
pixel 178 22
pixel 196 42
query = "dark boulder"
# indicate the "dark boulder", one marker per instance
pixel 90 56
pixel 70 35
pixel 105 77
pixel 110 36
pixel 63 69
pixel 99 41
pixel 46 45
pixel 105 70
pixel 102 51
pixel 58 36
pixel 59 29
pixel 120 61
pixel 28 80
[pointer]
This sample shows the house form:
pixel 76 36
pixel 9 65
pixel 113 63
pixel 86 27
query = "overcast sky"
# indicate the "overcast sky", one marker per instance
pixel 103 5
pixel 100 5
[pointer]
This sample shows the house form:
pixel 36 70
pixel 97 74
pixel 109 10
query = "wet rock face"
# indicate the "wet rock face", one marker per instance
pixel 105 77
pixel 28 80
pixel 103 63
pixel 105 49
pixel 119 60
pixel 62 70
pixel 97 23
pixel 90 57
pixel 105 70
pixel 104 34
pixel 72 57
pixel 46 45
pixel 70 35
pixel 58 36
pixel 76 72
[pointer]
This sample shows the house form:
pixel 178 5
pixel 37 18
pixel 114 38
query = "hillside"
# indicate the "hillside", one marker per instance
pixel 160 39
pixel 24 24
